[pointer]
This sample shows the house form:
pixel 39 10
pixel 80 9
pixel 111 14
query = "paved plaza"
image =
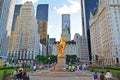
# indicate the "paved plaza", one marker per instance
pixel 48 75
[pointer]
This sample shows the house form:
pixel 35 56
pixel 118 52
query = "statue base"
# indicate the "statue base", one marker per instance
pixel 61 63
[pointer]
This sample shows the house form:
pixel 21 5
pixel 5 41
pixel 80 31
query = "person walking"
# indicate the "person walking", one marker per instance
pixel 34 67
pixel 95 76
pixel 108 75
pixel 78 67
pixel 102 77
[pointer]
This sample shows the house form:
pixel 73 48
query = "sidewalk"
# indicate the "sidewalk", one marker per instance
pixel 48 75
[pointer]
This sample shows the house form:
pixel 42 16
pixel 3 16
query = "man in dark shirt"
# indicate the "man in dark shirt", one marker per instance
pixel 102 76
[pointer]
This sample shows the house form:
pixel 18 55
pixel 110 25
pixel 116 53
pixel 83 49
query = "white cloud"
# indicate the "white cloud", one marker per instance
pixel 74 7
pixel 23 1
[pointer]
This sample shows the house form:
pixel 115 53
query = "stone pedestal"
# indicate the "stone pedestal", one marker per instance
pixel 61 63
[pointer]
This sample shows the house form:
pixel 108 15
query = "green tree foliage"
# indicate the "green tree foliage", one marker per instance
pixel 53 58
pixel 46 59
pixel 71 59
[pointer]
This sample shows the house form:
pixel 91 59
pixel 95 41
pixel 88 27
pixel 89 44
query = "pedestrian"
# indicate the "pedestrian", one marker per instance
pixel 102 77
pixel 15 72
pixel 69 68
pixel 25 75
pixel 108 75
pixel 83 66
pixel 95 76
pixel 20 69
pixel 34 67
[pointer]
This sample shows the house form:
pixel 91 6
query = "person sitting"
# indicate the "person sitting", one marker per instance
pixel 20 74
pixel 25 75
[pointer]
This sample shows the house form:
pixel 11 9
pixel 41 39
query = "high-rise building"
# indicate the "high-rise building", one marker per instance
pixel 81 48
pixel 6 16
pixel 16 13
pixel 66 26
pixel 87 6
pixel 42 20
pixel 105 32
pixel 51 42
pixel 24 40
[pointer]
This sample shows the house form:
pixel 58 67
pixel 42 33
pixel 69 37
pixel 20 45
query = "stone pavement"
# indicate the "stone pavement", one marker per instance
pixel 49 75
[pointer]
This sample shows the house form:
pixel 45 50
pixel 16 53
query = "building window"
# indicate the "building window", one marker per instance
pixel 116 52
pixel 117 1
pixel 113 1
pixel 117 60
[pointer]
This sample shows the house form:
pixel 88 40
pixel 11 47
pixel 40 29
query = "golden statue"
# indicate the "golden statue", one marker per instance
pixel 61 46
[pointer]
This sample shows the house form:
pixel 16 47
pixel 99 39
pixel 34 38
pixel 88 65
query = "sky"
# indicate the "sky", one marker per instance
pixel 56 8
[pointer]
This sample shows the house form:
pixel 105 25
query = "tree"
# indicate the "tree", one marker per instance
pixel 41 58
pixel 53 58
pixel 71 59
pixel 46 59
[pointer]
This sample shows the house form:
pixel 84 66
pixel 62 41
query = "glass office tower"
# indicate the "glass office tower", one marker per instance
pixel 42 20
pixel 6 15
pixel 87 7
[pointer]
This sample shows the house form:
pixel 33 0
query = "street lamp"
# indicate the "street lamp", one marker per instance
pixel 70 61
pixel 49 61
pixel 77 59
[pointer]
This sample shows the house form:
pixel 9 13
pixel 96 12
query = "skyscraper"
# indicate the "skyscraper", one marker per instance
pixel 42 20
pixel 51 42
pixel 16 13
pixel 66 26
pixel 87 6
pixel 6 16
pixel 24 40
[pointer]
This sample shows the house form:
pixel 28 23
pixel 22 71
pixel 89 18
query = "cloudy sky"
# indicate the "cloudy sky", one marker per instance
pixel 56 8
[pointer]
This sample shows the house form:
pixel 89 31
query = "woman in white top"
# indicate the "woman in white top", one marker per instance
pixel 108 75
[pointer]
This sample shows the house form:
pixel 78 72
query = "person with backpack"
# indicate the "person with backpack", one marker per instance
pixel 102 77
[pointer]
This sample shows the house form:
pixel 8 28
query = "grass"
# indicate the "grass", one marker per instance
pixel 9 71
pixel 115 72
pixel 104 70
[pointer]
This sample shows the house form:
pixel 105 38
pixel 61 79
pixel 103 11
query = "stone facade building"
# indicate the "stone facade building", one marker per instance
pixel 81 48
pixel 104 32
pixel 24 40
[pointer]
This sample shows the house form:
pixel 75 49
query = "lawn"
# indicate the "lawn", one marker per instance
pixel 10 70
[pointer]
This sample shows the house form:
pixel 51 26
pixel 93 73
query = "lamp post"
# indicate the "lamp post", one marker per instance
pixel 12 61
pixel 70 61
pixel 49 61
